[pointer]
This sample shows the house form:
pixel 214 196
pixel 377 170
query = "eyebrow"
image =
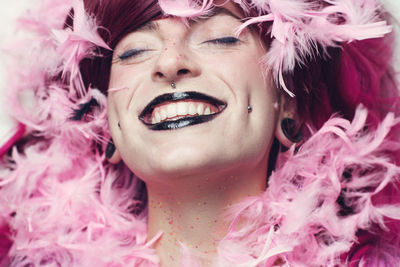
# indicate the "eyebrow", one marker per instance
pixel 150 26
pixel 153 26
pixel 219 10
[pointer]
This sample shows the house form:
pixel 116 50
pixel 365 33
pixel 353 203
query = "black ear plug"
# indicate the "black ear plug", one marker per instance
pixel 110 149
pixel 290 131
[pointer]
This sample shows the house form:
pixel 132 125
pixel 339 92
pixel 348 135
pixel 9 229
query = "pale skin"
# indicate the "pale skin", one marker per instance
pixel 194 174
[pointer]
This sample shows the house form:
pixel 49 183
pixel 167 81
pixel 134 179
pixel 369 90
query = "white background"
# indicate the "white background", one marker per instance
pixel 11 9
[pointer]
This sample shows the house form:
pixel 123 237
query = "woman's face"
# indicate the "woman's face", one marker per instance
pixel 202 124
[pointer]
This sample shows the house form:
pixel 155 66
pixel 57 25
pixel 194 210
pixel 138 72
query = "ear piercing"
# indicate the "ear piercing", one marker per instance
pixel 249 109
pixel 173 85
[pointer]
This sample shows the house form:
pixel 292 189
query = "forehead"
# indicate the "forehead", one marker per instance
pixel 227 8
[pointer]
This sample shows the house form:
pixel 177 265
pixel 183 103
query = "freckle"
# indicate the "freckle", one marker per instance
pixel 166 48
pixel 204 203
pixel 215 221
pixel 192 227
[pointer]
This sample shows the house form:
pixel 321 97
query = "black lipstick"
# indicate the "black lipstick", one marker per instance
pixel 185 121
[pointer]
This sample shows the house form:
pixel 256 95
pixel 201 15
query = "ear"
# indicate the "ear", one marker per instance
pixel 112 153
pixel 288 128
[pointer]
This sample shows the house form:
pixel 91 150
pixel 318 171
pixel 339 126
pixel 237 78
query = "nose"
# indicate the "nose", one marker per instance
pixel 174 64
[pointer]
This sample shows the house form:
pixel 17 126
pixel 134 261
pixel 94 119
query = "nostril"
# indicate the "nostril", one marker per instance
pixel 183 71
pixel 159 74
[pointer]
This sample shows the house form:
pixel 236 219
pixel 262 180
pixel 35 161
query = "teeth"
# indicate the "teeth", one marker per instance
pixel 174 111
pixel 200 109
pixel 182 108
pixel 158 117
pixel 171 110
pixel 192 109
pixel 163 114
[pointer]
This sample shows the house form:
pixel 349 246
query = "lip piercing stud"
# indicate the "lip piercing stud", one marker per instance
pixel 249 109
pixel 173 85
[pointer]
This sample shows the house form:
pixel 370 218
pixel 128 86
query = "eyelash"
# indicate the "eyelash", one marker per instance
pixel 131 53
pixel 229 40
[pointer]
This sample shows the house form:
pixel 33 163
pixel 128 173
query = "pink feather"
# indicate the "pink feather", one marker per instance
pixel 76 44
pixel 185 8
pixel 299 212
pixel 76 207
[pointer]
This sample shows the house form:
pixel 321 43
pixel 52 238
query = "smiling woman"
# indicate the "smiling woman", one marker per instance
pixel 200 133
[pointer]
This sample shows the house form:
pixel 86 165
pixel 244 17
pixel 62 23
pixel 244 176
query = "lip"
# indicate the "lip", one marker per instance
pixel 185 121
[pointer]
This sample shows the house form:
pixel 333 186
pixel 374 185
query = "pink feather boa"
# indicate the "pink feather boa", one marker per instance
pixel 75 209
pixel 319 198
pixel 62 205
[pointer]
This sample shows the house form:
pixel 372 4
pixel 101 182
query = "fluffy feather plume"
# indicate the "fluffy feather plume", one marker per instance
pixel 296 31
pixel 309 215
pixel 76 44
pixel 185 8
pixel 46 17
pixel 72 211
pixel 59 51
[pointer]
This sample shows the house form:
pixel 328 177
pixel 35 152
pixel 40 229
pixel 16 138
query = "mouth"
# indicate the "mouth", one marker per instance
pixel 180 109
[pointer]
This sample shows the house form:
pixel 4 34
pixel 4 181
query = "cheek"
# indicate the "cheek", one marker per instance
pixel 130 74
pixel 116 77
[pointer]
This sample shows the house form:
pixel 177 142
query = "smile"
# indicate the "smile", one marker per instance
pixel 180 109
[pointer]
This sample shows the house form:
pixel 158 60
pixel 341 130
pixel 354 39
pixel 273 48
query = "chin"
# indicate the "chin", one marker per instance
pixel 182 162
pixel 190 162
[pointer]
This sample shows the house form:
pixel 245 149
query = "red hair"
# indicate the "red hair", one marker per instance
pixel 116 18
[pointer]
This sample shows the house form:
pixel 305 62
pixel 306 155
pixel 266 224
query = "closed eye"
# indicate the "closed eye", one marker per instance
pixel 131 53
pixel 228 40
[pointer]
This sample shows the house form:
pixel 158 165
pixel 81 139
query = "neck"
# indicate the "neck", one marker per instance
pixel 192 212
